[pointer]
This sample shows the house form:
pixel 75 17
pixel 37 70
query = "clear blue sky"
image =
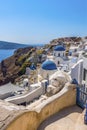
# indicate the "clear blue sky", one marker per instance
pixel 39 21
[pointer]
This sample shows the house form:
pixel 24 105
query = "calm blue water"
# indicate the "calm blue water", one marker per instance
pixel 5 54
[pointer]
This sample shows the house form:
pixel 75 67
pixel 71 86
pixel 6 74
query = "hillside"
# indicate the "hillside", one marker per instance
pixel 67 39
pixel 11 45
pixel 15 66
pixel 10 67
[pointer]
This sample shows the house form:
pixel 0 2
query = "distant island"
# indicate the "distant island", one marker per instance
pixel 11 45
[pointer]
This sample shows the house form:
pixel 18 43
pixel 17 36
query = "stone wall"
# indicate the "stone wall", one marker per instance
pixel 30 120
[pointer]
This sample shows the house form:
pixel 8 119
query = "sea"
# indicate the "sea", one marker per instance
pixel 9 52
pixel 6 53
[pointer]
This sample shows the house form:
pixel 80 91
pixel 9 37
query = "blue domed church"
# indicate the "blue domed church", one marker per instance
pixel 48 67
pixel 59 54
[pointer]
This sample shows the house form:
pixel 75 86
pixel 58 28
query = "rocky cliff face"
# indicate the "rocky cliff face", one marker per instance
pixel 10 67
pixel 66 39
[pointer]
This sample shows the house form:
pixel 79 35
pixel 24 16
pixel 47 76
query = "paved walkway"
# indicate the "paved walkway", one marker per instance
pixel 63 120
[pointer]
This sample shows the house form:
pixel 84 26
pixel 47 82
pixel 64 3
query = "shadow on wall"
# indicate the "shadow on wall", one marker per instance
pixel 59 115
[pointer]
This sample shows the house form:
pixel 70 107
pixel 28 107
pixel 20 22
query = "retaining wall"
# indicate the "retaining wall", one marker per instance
pixel 30 120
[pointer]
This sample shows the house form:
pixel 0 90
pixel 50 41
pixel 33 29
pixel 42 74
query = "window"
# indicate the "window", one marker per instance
pixel 59 54
pixel 84 74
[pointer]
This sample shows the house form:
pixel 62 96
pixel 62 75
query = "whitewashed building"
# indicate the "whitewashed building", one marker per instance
pixel 48 67
pixel 59 54
pixel 85 67
pixel 79 70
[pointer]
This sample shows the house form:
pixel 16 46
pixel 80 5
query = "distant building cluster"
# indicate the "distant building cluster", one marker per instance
pixel 40 80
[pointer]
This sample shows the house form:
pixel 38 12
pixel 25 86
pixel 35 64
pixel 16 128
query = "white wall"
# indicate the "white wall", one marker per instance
pixel 6 95
pixel 45 73
pixel 85 67
pixel 77 71
pixel 26 98
pixel 85 63
pixel 58 58
pixel 55 53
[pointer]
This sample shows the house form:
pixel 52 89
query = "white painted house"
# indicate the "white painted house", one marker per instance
pixel 48 67
pixel 79 70
pixel 85 67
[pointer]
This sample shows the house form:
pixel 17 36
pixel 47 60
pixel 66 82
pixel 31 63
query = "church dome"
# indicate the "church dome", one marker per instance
pixel 33 67
pixel 59 48
pixel 49 65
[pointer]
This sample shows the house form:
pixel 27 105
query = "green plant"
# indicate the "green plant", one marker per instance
pixel 23 68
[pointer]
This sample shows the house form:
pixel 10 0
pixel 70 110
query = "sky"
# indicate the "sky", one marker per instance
pixel 40 21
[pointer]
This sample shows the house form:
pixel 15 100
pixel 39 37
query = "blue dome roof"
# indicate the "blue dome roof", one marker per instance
pixel 59 48
pixel 48 65
pixel 33 67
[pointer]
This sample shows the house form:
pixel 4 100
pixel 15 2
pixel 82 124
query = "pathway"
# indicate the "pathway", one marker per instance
pixel 63 120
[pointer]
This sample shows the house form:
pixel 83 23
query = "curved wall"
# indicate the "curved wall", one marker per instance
pixel 32 119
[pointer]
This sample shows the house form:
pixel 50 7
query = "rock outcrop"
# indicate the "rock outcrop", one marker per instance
pixel 57 81
pixel 10 67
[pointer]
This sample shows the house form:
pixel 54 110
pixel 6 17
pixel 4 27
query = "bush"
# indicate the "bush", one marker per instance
pixel 22 71
pixel 23 68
